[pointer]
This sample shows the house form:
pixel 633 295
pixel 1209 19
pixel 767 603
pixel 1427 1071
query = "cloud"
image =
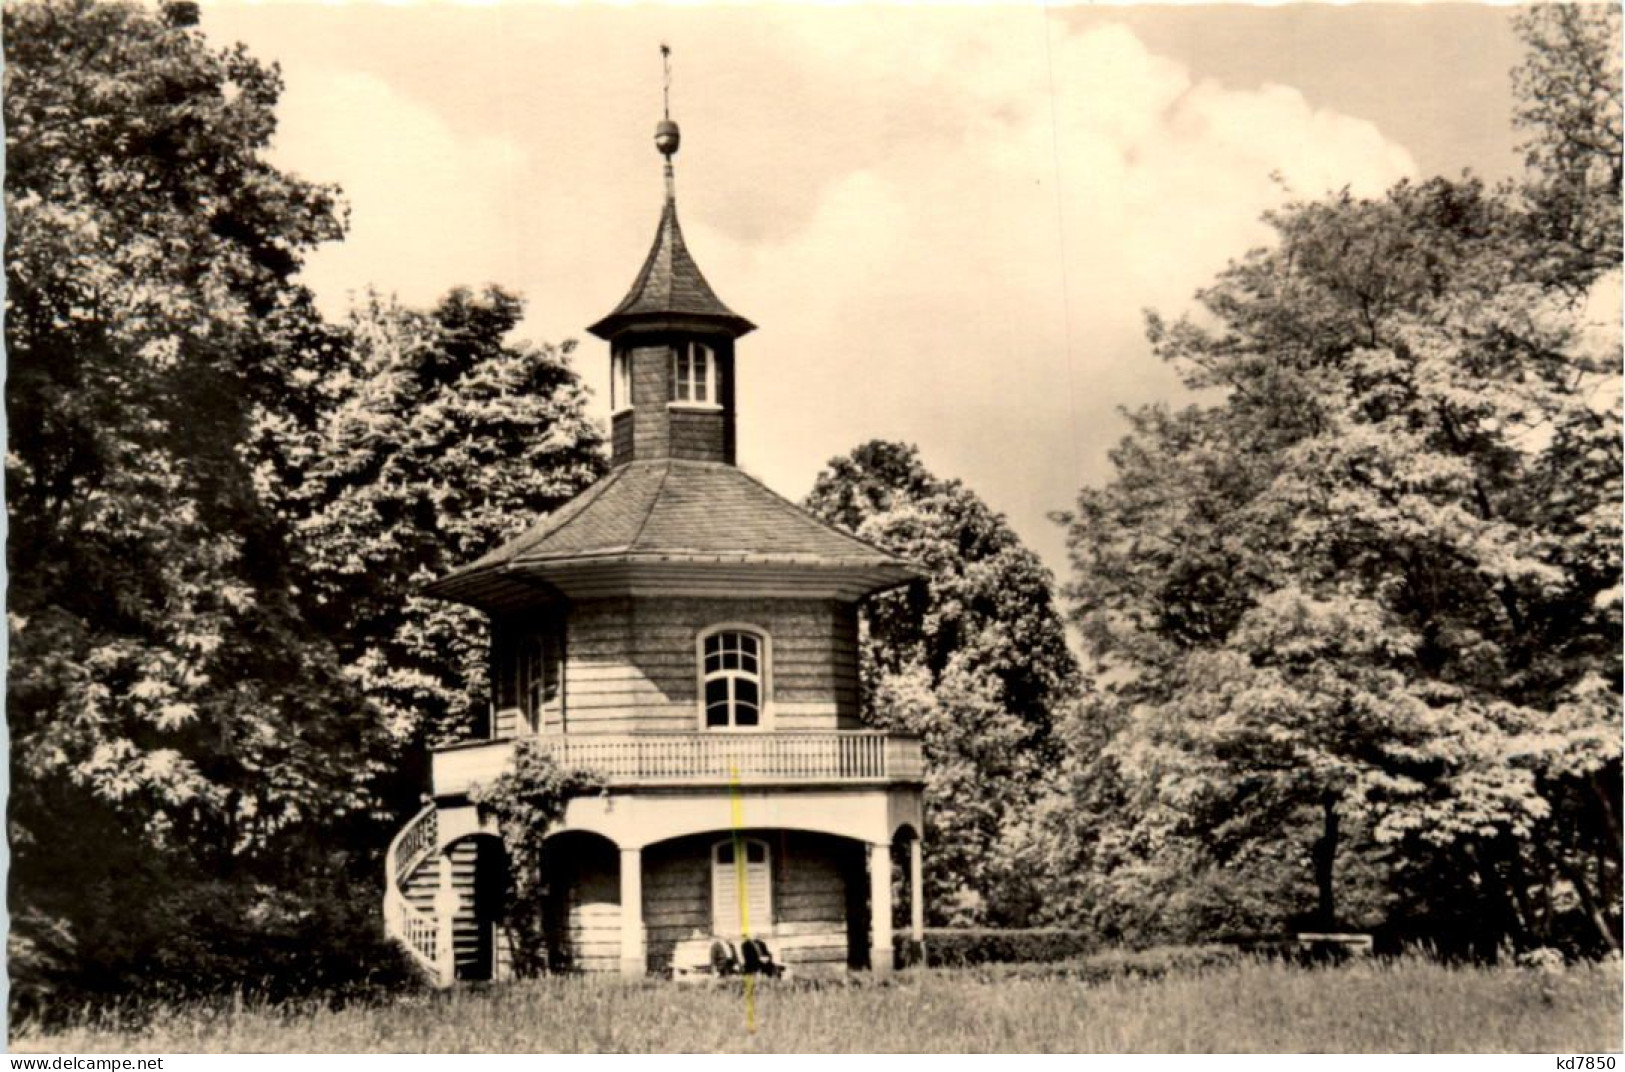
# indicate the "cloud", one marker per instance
pixel 947 222
pixel 981 292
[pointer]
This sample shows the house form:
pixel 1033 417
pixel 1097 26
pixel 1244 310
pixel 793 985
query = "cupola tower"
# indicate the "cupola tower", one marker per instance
pixel 671 347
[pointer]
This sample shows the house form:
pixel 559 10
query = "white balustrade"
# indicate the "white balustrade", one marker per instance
pixel 416 930
pixel 702 758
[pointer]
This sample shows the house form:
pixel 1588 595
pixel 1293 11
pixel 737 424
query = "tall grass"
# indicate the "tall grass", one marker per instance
pixel 1253 1006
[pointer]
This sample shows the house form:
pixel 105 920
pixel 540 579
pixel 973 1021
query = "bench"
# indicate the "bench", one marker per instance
pixel 698 958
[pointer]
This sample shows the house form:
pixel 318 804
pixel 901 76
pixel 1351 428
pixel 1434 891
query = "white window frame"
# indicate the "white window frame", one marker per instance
pixel 764 677
pixel 537 668
pixel 758 928
pixel 709 383
pixel 620 381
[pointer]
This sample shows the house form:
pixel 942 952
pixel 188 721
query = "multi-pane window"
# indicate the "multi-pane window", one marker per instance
pixel 620 386
pixel 538 675
pixel 694 374
pixel 732 669
pixel 529 656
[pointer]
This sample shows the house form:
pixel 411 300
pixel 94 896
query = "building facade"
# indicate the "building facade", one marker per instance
pixel 691 637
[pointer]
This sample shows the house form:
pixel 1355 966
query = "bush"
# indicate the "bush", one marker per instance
pixel 906 952
pixel 320 939
pixel 963 947
pixel 1113 964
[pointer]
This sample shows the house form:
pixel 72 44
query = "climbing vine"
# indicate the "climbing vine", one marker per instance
pixel 527 802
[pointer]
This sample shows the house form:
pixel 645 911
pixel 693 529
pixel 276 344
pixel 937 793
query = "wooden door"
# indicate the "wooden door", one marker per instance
pixel 741 887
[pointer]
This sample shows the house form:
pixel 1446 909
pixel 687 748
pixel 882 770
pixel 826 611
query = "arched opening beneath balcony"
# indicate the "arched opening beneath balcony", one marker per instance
pixel 475 895
pixel 803 893
pixel 582 914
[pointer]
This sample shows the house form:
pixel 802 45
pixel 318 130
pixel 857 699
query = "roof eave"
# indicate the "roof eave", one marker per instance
pixel 526 582
pixel 618 323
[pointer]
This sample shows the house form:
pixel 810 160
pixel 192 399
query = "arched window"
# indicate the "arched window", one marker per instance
pixel 733 673
pixel 741 887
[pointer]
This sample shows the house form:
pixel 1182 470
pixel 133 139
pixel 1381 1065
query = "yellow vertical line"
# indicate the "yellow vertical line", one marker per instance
pixel 737 808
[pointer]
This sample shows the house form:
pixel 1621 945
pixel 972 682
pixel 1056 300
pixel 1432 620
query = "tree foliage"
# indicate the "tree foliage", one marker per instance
pixel 165 703
pixel 430 438
pixel 974 659
pixel 1568 92
pixel 219 508
pixel 1362 609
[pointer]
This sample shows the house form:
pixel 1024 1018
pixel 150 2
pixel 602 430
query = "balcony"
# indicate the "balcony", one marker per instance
pixel 848 757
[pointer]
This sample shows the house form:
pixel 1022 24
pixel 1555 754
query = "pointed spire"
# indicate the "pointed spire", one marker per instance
pixel 669 290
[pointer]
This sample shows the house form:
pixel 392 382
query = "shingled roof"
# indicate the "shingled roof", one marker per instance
pixel 700 514
pixel 670 287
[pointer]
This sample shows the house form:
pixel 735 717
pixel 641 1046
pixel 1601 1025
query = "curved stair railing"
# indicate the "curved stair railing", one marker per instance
pixel 424 939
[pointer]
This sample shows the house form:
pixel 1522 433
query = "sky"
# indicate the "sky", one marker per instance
pixel 947 221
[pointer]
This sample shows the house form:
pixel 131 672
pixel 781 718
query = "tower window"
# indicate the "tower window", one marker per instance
pixel 694 375
pixel 620 385
pixel 733 666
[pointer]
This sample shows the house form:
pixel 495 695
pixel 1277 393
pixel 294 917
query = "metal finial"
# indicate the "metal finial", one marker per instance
pixel 667 136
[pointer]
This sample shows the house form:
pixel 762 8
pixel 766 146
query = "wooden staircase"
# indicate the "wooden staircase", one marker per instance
pixel 420 883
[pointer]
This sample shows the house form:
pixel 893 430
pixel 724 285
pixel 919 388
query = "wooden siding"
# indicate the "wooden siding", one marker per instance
pixel 815 880
pixel 697 435
pixel 676 895
pixel 631 665
pixel 620 436
pixel 651 372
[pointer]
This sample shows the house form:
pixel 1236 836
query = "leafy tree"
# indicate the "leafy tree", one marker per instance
pixel 431 440
pixel 1379 579
pixel 974 659
pixel 166 704
pixel 1361 613
pixel 1568 90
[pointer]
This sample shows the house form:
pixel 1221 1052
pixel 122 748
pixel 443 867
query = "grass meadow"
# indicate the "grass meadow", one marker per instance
pixel 1250 1006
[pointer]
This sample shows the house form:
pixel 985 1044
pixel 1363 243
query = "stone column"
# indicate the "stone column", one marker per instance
pixel 916 890
pixel 446 903
pixel 880 951
pixel 634 958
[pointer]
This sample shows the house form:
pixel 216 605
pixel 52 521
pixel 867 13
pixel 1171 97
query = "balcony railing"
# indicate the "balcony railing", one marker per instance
pixel 851 756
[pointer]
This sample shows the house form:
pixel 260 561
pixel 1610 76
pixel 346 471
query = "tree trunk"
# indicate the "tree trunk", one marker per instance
pixel 1534 931
pixel 1605 807
pixel 1605 894
pixel 1599 919
pixel 1325 856
pixel 1494 888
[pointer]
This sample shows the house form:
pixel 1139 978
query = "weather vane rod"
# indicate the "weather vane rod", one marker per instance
pixel 665 85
